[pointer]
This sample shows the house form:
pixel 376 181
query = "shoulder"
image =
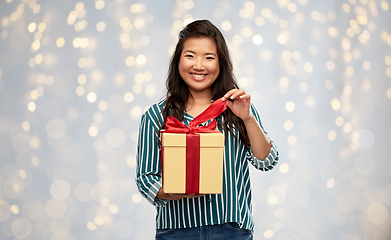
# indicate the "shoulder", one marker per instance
pixel 156 109
pixel 154 114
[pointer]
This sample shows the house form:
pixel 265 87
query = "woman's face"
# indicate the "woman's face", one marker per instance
pixel 199 64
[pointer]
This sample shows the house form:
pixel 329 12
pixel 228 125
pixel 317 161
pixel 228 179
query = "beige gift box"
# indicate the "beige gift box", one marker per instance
pixel 210 163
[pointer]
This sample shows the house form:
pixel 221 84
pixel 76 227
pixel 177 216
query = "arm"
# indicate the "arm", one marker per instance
pixel 260 143
pixel 271 160
pixel 261 146
pixel 148 177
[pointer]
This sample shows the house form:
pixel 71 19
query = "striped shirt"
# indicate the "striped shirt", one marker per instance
pixel 233 205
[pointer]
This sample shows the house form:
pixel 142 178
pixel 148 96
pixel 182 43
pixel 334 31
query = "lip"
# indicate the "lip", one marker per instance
pixel 198 79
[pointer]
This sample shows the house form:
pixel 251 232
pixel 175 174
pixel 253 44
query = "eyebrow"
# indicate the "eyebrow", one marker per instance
pixel 195 53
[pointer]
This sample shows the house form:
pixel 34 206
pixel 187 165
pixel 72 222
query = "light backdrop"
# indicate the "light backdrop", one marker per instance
pixel 75 77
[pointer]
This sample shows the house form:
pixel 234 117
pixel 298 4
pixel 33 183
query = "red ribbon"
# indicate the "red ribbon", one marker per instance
pixel 173 125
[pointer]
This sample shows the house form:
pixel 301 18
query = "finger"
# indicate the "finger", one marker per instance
pixel 229 94
pixel 237 94
pixel 195 195
pixel 199 195
pixel 245 97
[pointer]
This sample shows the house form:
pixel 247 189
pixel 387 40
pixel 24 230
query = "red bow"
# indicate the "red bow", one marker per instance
pixel 173 125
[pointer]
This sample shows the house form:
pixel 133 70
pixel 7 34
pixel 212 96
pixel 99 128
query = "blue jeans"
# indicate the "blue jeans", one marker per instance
pixel 215 232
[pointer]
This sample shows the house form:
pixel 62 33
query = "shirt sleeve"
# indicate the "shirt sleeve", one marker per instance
pixel 272 158
pixel 148 175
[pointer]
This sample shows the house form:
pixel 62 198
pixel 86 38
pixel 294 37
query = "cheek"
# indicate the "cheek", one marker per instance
pixel 215 68
pixel 182 69
pixel 180 65
pixel 184 64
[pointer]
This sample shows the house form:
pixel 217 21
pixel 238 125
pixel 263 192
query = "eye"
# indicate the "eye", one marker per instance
pixel 189 55
pixel 210 58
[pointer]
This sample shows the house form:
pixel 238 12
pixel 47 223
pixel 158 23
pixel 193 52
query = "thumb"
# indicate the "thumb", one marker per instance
pixel 229 104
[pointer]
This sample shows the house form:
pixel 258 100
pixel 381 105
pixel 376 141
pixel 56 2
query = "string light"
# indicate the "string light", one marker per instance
pixel 89 77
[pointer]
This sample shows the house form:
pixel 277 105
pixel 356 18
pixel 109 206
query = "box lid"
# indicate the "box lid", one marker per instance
pixel 206 139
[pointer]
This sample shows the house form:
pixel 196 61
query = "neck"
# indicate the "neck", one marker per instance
pixel 200 98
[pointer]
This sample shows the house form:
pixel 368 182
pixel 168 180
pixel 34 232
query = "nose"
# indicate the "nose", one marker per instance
pixel 198 65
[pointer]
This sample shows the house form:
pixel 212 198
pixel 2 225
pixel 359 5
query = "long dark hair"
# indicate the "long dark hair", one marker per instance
pixel 178 91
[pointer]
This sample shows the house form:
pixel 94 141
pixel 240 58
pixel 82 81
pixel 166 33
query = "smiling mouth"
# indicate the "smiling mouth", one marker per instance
pixel 198 75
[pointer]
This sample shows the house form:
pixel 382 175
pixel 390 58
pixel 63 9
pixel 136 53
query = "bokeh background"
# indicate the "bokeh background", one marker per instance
pixel 75 77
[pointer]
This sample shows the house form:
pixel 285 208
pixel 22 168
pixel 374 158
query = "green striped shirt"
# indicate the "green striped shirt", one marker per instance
pixel 233 205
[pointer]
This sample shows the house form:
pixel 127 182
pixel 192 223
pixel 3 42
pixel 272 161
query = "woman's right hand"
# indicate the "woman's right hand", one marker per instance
pixel 175 196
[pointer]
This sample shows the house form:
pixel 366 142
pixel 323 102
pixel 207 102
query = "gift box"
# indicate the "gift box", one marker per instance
pixel 184 170
pixel 192 156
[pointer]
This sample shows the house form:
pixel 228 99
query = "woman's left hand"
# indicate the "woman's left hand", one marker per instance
pixel 240 105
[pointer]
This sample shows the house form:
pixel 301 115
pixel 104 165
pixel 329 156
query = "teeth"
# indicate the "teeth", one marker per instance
pixel 199 76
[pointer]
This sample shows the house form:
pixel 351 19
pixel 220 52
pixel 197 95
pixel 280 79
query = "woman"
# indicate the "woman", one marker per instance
pixel 201 72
